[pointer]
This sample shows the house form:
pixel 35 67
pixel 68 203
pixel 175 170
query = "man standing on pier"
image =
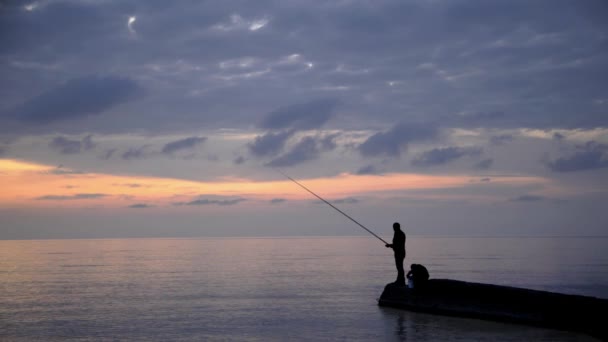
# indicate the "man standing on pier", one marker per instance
pixel 398 247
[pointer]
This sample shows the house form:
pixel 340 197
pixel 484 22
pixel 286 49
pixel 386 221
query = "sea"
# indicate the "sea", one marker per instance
pixel 272 289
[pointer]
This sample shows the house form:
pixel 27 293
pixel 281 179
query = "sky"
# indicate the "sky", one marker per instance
pixel 174 118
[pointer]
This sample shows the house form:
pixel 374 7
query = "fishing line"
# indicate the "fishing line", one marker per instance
pixel 331 205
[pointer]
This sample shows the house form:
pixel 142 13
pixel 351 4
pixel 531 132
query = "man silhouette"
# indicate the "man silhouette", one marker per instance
pixel 398 247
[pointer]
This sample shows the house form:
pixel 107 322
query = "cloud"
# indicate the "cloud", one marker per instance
pixel 130 23
pixel 522 52
pixel 108 154
pixel 484 164
pixel 305 116
pixel 328 142
pixel 239 160
pixel 589 156
pixel 87 142
pixel 558 136
pixel 368 170
pixel 486 179
pixel 208 201
pixel 528 198
pixel 269 143
pixel 308 148
pixel 394 141
pixel 237 22
pixel 277 200
pixel 76 98
pixel 181 144
pixel 130 185
pixel 70 197
pixel 475 67
pixel 140 206
pixel 440 156
pixel 60 170
pixel 501 139
pixel 135 153
pixel 347 200
pixel 483 119
pixel 67 146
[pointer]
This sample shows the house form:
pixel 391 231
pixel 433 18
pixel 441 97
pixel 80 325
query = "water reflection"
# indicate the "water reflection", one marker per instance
pixel 413 326
pixel 266 289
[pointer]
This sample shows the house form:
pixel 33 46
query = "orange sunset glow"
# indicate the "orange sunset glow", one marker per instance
pixel 29 184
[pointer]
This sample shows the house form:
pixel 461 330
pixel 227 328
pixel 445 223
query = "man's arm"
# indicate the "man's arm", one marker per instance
pixel 389 245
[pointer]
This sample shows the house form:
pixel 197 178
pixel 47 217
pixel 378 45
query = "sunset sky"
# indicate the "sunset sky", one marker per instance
pixel 171 118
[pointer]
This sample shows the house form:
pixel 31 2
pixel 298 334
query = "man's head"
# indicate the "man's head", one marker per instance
pixel 396 226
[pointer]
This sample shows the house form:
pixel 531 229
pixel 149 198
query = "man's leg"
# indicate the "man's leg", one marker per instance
pixel 400 271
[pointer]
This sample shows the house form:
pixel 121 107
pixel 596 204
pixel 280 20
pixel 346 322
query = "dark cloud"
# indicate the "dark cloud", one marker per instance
pixel 482 119
pixel 239 160
pixel 67 146
pixel 3 150
pixel 539 120
pixel 308 148
pixel 87 142
pixel 181 144
pixel 501 139
pixel 70 197
pixel 304 116
pixel 484 164
pixel 328 142
pixel 140 206
pixel 440 156
pixel 470 64
pixel 78 98
pixel 558 136
pixel 394 141
pixel 414 58
pixel 277 200
pixel 135 153
pixel 589 156
pixel 347 200
pixel 208 201
pixel 129 185
pixel 38 26
pixel 528 198
pixel 486 179
pixel 108 154
pixel 368 170
pixel 270 143
pixel 60 170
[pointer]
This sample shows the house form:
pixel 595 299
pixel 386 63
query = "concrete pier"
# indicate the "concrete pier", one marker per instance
pixel 504 304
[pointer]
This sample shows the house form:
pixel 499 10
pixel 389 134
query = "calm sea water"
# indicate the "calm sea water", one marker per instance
pixel 271 288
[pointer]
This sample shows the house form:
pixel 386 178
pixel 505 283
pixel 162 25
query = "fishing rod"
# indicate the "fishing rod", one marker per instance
pixel 331 205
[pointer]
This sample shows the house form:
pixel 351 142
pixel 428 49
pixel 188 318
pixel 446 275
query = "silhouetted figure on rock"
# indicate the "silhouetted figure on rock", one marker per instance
pixel 398 247
pixel 419 276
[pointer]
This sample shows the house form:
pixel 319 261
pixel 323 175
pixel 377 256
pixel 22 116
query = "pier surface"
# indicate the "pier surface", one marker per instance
pixel 502 303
